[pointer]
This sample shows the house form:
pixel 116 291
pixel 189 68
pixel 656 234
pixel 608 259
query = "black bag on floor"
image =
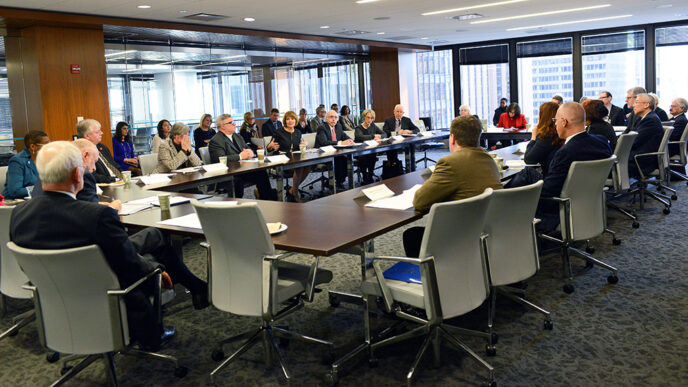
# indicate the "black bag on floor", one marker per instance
pixel 391 168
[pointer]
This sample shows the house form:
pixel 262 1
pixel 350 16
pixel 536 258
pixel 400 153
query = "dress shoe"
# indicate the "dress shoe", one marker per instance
pixel 200 300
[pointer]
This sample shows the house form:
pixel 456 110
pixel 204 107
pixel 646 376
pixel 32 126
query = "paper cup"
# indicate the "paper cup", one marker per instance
pixel 126 177
pixel 223 160
pixel 261 154
pixel 164 199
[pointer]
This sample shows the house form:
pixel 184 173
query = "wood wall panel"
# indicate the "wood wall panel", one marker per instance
pixel 384 81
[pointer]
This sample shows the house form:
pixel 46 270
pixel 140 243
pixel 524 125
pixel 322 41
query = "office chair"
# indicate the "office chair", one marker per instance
pixel 83 314
pixel 677 161
pixel 582 214
pixel 247 278
pixel 658 177
pixel 205 155
pixel 619 184
pixel 148 163
pixel 453 283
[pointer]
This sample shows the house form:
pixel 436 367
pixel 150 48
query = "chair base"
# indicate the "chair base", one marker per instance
pixel 19 322
pixel 512 294
pixel 269 335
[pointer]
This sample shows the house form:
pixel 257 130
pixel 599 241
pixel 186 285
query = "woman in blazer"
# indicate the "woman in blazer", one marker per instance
pixel 21 170
pixel 123 150
pixel 366 131
pixel 288 139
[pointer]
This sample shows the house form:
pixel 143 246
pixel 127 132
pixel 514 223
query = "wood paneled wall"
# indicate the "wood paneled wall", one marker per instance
pixel 384 80
pixel 47 93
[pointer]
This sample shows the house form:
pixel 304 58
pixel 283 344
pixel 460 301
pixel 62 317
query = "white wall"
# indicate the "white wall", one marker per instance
pixel 408 83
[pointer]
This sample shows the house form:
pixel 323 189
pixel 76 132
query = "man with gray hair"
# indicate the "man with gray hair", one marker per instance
pixel 631 95
pixel 107 170
pixel 319 118
pixel 650 133
pixel 56 220
pixel 398 124
pixel 678 112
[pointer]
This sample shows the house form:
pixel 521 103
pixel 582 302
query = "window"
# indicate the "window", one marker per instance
pixel 613 62
pixel 484 78
pixel 340 86
pixel 544 70
pixel 671 58
pixel 435 87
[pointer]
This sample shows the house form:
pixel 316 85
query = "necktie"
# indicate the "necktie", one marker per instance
pixel 113 170
pixel 398 127
pixel 235 143
pixel 334 135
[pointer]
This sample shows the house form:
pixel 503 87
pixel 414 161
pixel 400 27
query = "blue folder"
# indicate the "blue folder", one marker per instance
pixel 404 271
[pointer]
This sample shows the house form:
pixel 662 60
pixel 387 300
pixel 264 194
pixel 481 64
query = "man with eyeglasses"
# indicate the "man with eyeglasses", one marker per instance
pixel 615 114
pixel 678 112
pixel 650 132
pixel 631 118
pixel 229 143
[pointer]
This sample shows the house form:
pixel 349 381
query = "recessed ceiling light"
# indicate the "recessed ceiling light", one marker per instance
pixel 466 16
pixel 365 1
pixel 143 6
pixel 380 33
pixel 323 27
pixel 183 11
pixel 424 38
pixel 541 14
pixel 569 22
pixel 471 7
pixel 249 19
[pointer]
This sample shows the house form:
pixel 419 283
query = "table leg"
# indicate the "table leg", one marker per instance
pixel 350 170
pixel 280 184
pixel 407 155
pixel 411 157
pixel 330 176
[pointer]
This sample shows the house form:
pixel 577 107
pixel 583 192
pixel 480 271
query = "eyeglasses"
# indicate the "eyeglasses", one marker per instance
pixel 638 102
pixel 229 123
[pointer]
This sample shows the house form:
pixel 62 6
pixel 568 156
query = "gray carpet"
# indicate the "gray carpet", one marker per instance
pixel 631 333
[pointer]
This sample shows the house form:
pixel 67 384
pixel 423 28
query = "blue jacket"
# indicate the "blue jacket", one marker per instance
pixel 21 173
pixel 122 150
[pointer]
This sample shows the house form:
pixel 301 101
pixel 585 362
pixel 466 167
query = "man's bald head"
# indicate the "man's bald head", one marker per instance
pixel 57 161
pixel 89 153
pixel 570 119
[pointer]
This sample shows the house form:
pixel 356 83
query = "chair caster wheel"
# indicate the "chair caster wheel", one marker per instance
pixel 373 362
pixel 217 355
pixel 14 333
pixel 52 357
pixel 330 378
pixel 674 197
pixel 568 289
pixel 616 242
pixel 490 350
pixel 180 372
pixel 590 250
pixel 666 211
pixel 548 325
pixel 491 384
pixel 613 279
pixel 495 338
pixel 334 301
pixel 635 225
pixel 65 369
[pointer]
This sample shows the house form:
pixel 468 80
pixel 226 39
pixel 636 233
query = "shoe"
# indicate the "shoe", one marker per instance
pixel 200 300
pixel 167 334
pixel 255 193
pixel 291 198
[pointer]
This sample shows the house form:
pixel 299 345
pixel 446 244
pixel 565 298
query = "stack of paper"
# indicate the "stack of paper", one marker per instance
pixel 190 221
pixel 515 163
pixel 214 167
pixel 404 201
pixel 153 201
pixel 277 159
pixel 132 208
pixel 328 148
pixel 375 193
pixel 187 170
pixel 155 178
pixel 370 143
pixel 426 134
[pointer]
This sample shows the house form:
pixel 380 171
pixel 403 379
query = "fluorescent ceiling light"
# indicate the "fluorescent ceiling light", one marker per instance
pixel 119 53
pixel 324 27
pixel 143 6
pixel 472 7
pixel 380 33
pixel 216 63
pixel 541 14
pixel 233 56
pixel 249 19
pixel 570 22
pixel 365 1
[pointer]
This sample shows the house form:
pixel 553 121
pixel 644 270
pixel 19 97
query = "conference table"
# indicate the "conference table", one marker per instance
pixel 500 134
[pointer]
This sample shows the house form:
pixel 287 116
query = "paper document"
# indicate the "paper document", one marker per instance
pixel 375 193
pixel 153 201
pixel 328 148
pixel 187 170
pixel 214 167
pixel 515 163
pixel 370 142
pixel 128 208
pixel 426 134
pixel 98 191
pixel 398 137
pixel 155 178
pixel 277 159
pixel 404 201
pixel 190 221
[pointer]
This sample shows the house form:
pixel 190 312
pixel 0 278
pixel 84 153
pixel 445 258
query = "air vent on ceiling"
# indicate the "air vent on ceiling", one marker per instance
pixel 352 32
pixel 397 38
pixel 381 18
pixel 205 17
pixel 467 16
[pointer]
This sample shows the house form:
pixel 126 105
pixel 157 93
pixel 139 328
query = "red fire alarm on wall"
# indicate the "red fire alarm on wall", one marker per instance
pixel 75 69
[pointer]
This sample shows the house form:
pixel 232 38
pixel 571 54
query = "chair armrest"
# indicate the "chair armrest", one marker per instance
pixel 648 154
pixel 205 245
pixel 556 199
pixel 29 287
pixel 635 159
pixel 536 221
pixel 677 142
pixel 135 284
pixel 401 259
pixel 277 257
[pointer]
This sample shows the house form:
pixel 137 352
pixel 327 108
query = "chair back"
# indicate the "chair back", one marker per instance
pixel 512 253
pixel 237 275
pixel 584 187
pixel 681 155
pixel 620 178
pixel 380 125
pixel 310 139
pixel 452 237
pixel 664 147
pixel 205 155
pixel 350 133
pixel 74 311
pixel 3 177
pixel 148 163
pixel 420 124
pixel 12 278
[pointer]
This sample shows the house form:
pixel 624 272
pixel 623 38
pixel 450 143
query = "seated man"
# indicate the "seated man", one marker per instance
pixel 650 132
pixel 678 111
pixel 107 170
pixel 579 146
pixel 331 133
pixel 176 153
pixel 398 125
pixel 467 171
pixel 56 220
pixel 226 142
pixel 631 118
pixel 270 127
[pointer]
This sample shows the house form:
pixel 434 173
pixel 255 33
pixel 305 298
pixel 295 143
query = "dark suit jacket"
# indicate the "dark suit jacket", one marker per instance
pixel 88 194
pixel 540 152
pixel 604 129
pixel 617 116
pixel 101 173
pixel 268 129
pixel 498 113
pixel 680 122
pixel 406 123
pixel 631 123
pixel 649 136
pixel 220 145
pixel 661 114
pixel 323 136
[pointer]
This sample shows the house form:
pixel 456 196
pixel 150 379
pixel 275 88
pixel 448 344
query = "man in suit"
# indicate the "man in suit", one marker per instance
pixel 650 132
pixel 226 142
pixel 319 118
pixel 503 103
pixel 579 145
pixel 631 118
pixel 56 220
pixel 615 113
pixel 559 100
pixel 467 171
pixel 331 133
pixel 398 124
pixel 107 170
pixel 678 112
pixel 270 126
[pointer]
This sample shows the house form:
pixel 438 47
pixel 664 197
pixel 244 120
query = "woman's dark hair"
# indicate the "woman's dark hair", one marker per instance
pixel 546 130
pixel 514 108
pixel 34 137
pixel 344 108
pixel 118 132
pixel 594 110
pixel 161 134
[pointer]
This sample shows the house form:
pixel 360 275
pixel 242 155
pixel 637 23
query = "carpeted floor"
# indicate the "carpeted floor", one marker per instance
pixel 631 333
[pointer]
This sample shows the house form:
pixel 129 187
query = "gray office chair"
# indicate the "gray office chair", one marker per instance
pixel 658 177
pixel 582 214
pixel 3 177
pixel 618 186
pixel 678 161
pixel 83 314
pixel 512 253
pixel 454 280
pixel 205 155
pixel 148 163
pixel 247 278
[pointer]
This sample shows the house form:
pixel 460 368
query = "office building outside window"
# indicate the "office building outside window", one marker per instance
pixel 484 78
pixel 671 58
pixel 435 88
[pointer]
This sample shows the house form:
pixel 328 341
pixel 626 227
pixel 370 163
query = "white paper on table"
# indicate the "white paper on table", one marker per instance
pixel 129 208
pixel 214 167
pixel 398 137
pixel 277 159
pixel 99 191
pixel 403 201
pixel 328 148
pixel 375 193
pixel 187 170
pixel 190 221
pixel 251 160
pixel 515 163
pixel 153 201
pixel 155 178
pixel 427 134
pixel 370 142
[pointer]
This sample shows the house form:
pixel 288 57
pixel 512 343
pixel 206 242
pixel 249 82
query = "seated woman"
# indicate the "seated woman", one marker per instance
pixel 176 152
pixel 595 111
pixel 123 150
pixel 512 118
pixel 345 119
pixel 164 128
pixel 288 139
pixel 21 170
pixel 203 133
pixel 465 110
pixel 366 131
pixel 544 141
pixel 303 125
pixel 249 130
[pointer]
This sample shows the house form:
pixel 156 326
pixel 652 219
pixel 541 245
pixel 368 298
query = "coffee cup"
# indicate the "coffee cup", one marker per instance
pixel 164 200
pixel 126 177
pixel 260 153
pixel 223 160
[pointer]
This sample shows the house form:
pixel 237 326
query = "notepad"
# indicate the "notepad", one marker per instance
pixel 214 167
pixel 404 271
pixel 328 148
pixel 403 201
pixel 370 142
pixel 277 159
pixel 187 170
pixel 189 221
pixel 129 208
pixel 515 163
pixel 375 193
pixel 155 178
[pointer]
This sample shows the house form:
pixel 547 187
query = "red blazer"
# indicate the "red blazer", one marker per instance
pixel 507 122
